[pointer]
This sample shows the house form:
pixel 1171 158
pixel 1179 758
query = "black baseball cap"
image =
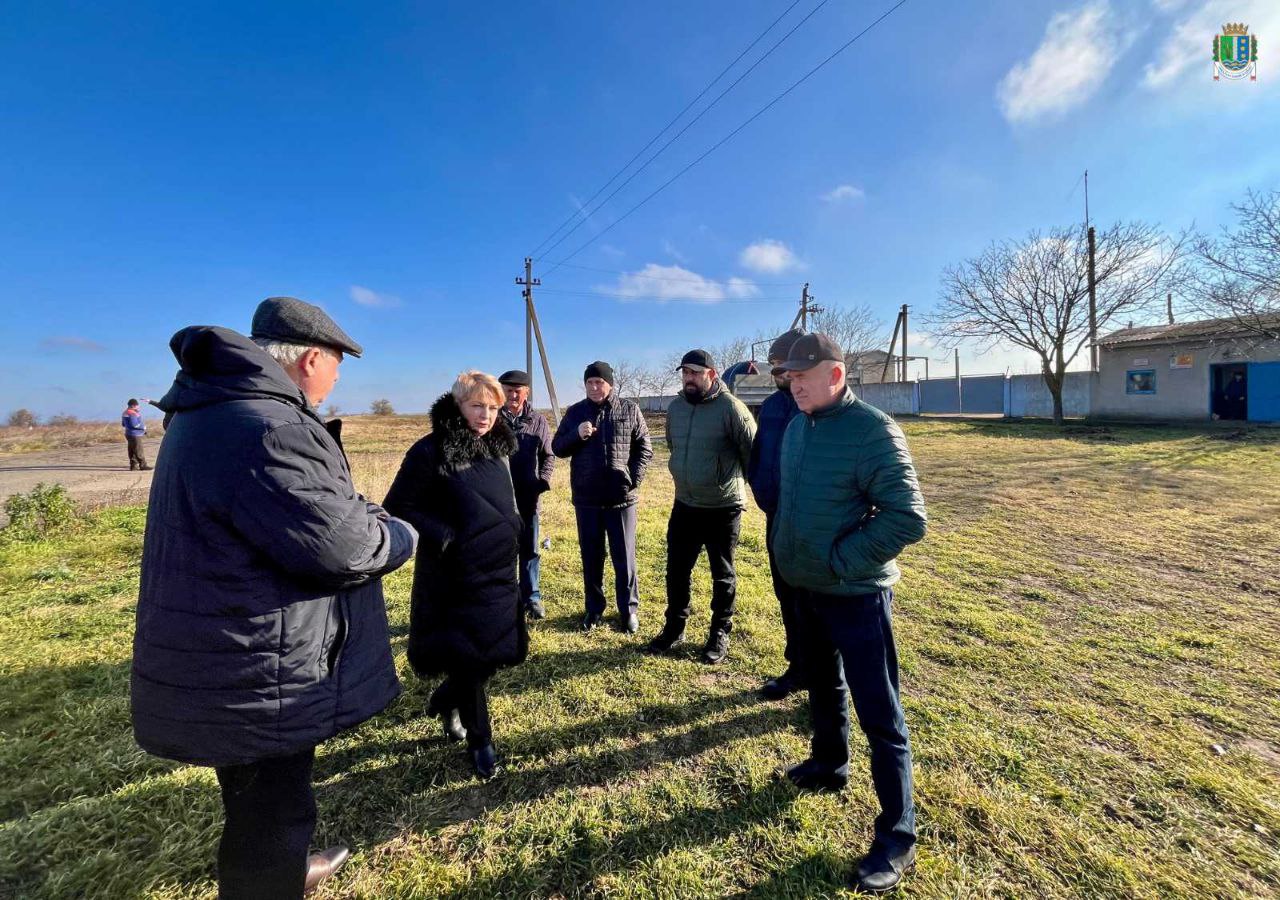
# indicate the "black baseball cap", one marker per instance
pixel 515 377
pixel 696 360
pixel 808 351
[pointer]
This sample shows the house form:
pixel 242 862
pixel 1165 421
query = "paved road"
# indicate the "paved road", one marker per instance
pixel 92 475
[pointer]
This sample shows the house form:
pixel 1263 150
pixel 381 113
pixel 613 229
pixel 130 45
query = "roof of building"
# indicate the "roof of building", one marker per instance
pixel 1205 329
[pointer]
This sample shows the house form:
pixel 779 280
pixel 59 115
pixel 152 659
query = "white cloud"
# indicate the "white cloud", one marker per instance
pixel 655 282
pixel 368 297
pixel 73 342
pixel 768 256
pixel 844 192
pixel 1071 63
pixel 1188 47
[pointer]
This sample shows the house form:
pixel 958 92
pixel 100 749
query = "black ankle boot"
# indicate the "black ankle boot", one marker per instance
pixel 485 761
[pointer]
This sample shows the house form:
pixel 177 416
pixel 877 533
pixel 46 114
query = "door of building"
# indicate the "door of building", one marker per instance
pixel 1264 392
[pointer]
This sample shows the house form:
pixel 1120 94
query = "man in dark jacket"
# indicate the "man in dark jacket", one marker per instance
pixel 776 413
pixel 532 466
pixel 849 503
pixel 709 433
pixel 607 442
pixel 261 628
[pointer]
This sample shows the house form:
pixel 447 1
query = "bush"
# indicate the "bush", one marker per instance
pixel 381 408
pixel 22 418
pixel 63 419
pixel 44 509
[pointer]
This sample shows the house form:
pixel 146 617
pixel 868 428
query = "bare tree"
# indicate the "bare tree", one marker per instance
pixel 382 407
pixel 1034 293
pixel 22 418
pixel 1238 274
pixel 856 329
pixel 627 378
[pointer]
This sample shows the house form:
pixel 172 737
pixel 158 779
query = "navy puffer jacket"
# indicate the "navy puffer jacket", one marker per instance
pixel 763 468
pixel 455 487
pixel 261 628
pixel 607 468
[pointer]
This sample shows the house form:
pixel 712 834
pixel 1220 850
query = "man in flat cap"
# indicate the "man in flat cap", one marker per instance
pixel 532 466
pixel 776 413
pixel 709 433
pixel 261 627
pixel 849 504
pixel 607 442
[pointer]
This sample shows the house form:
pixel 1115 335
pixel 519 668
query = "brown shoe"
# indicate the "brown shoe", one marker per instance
pixel 322 865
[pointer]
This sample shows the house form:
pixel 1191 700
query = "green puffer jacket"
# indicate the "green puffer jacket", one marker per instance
pixel 710 444
pixel 850 501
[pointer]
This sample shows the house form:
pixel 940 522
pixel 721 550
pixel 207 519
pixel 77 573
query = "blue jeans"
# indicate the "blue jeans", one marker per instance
pixel 848 642
pixel 530 557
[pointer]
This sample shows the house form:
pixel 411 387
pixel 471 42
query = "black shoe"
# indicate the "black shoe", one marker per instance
pixel 144 468
pixel 591 621
pixel 323 865
pixel 485 761
pixel 880 870
pixel 716 649
pixel 535 610
pixel 782 687
pixel 667 638
pixel 810 776
pixel 630 624
pixel 453 730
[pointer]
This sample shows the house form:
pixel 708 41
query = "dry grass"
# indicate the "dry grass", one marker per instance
pixel 16 441
pixel 1088 640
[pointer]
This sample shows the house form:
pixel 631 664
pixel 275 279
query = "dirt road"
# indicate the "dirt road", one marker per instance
pixel 92 475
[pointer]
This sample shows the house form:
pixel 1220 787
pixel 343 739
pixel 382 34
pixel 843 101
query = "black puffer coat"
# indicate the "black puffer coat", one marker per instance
pixel 455 488
pixel 607 468
pixel 261 628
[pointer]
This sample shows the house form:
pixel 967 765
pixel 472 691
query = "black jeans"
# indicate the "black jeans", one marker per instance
pixel 271 815
pixel 787 599
pixel 619 526
pixel 849 641
pixel 689 529
pixel 465 692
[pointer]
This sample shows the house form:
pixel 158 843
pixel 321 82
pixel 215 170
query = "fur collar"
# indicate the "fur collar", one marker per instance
pixel 459 445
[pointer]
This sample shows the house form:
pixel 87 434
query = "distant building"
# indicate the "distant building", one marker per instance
pixel 1190 370
pixel 867 367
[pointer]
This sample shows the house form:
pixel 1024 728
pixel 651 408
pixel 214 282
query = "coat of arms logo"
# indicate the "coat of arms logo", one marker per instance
pixel 1235 53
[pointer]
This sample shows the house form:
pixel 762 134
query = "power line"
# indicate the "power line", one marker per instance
pixel 629 298
pixel 695 280
pixel 666 127
pixel 675 137
pixel 730 135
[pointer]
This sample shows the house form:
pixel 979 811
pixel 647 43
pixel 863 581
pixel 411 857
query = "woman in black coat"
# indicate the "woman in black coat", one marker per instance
pixel 455 487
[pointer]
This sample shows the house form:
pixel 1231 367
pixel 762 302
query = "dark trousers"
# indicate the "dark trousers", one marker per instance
pixel 465 692
pixel 787 599
pixel 530 555
pixel 619 527
pixel 137 458
pixel 689 529
pixel 270 817
pixel 848 641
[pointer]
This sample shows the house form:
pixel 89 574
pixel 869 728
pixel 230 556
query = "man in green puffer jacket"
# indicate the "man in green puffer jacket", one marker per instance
pixel 709 434
pixel 849 503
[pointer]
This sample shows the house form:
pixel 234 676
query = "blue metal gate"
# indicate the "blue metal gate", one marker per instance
pixel 1264 392
pixel 939 395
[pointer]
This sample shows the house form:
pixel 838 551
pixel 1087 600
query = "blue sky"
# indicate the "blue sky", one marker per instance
pixel 172 164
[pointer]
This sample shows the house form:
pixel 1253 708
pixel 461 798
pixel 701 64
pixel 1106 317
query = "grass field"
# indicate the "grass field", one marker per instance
pixel 1090 644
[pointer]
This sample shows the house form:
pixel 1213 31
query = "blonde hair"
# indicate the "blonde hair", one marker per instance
pixel 473 382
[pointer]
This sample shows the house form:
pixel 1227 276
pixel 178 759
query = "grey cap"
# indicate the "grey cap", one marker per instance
pixel 296 321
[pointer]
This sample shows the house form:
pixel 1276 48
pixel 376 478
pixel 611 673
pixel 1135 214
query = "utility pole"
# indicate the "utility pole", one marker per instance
pixel 893 343
pixel 1168 300
pixel 906 358
pixel 531 325
pixel 1093 287
pixel 806 307
pixel 959 385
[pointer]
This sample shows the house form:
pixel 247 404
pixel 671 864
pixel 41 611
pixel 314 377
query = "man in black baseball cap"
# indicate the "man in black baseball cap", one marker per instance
pixel 532 466
pixel 849 504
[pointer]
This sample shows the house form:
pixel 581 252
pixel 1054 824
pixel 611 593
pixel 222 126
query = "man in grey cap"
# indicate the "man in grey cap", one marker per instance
pixel 849 504
pixel 261 627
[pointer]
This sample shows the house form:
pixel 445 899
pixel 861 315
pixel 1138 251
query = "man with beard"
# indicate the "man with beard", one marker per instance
pixel 531 468
pixel 709 434
pixel 776 413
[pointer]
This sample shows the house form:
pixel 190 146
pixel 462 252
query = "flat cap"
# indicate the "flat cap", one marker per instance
pixel 807 351
pixel 296 321
pixel 515 377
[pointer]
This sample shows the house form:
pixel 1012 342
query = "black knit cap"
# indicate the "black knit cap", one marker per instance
pixel 516 377
pixel 599 369
pixel 807 352
pixel 780 349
